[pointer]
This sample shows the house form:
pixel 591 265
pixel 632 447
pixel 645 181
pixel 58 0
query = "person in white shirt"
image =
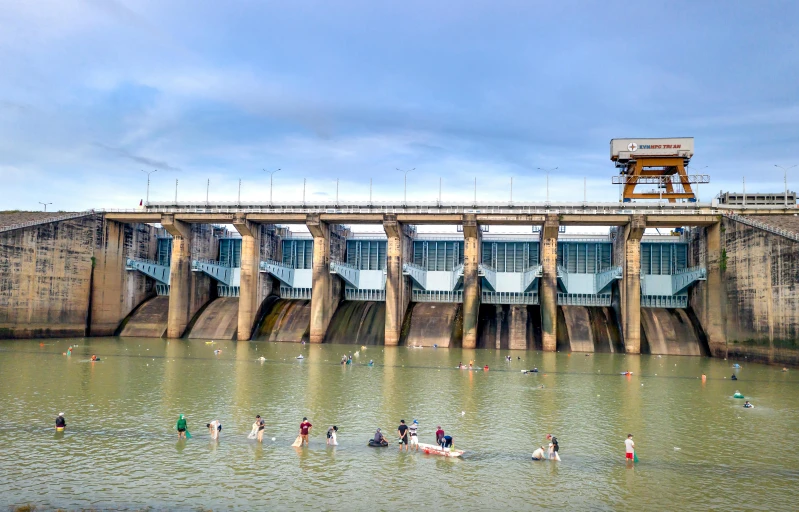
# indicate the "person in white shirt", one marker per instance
pixel 629 448
pixel 538 454
pixel 214 428
pixel 414 431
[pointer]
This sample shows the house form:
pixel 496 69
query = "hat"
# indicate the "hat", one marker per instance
pixel 416 422
pixel 60 413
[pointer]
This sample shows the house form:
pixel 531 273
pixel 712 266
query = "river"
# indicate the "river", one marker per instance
pixel 698 447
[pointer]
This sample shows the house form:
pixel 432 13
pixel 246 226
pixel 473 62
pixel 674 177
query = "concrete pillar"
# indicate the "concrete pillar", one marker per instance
pixel 250 273
pixel 631 285
pixel 471 281
pixel 517 337
pixel 715 299
pixel 548 289
pixel 397 289
pixel 179 276
pixel 324 296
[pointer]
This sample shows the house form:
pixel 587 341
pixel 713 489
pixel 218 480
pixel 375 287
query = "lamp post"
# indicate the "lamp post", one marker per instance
pixel 785 180
pixel 548 171
pixel 271 173
pixel 44 204
pixel 147 198
pixel 405 183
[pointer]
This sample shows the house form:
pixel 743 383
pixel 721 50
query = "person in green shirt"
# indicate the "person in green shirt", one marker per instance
pixel 180 426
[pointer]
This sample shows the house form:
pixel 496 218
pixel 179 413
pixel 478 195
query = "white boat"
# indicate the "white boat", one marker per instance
pixel 434 449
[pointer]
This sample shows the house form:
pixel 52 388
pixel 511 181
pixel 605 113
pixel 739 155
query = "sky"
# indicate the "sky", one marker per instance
pixel 92 92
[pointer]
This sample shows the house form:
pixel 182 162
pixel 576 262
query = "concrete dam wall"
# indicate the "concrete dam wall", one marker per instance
pixel 359 323
pixel 217 320
pixel 755 304
pixel 671 332
pixel 68 278
pixel 504 326
pixel 285 320
pixel 149 320
pixel 588 329
pixel 427 324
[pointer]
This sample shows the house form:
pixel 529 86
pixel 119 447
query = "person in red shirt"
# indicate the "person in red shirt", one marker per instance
pixel 305 429
pixel 439 434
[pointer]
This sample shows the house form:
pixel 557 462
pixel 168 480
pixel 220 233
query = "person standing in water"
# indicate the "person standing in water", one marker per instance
pixel 214 428
pixel 402 432
pixel 261 426
pixel 331 436
pixel 60 422
pixel 439 434
pixel 629 448
pixel 180 426
pixel 414 432
pixel 305 430
pixel 538 454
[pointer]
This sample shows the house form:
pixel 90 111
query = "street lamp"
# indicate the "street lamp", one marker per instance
pixel 548 171
pixel 44 204
pixel 271 173
pixel 785 179
pixel 147 199
pixel 405 181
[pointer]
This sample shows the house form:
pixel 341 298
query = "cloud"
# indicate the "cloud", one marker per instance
pixel 150 162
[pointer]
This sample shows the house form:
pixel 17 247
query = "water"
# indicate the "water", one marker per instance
pixel 120 449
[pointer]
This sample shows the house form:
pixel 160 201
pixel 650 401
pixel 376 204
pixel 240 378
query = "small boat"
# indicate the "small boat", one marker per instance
pixel 434 449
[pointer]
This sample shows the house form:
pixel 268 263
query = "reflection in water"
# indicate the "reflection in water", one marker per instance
pixel 122 414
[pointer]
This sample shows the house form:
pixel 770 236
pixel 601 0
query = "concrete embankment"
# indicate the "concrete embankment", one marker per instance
pixel 285 320
pixel 67 277
pixel 218 320
pixel 427 324
pixel 148 320
pixel 588 329
pixel 359 323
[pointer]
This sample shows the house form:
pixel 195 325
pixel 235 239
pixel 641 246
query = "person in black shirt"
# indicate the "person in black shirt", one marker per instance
pixel 60 422
pixel 402 432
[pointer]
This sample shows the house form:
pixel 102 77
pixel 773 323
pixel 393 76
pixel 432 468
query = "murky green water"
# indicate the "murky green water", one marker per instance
pixel 120 450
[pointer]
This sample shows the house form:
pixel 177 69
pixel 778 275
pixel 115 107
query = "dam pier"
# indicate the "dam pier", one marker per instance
pixel 236 272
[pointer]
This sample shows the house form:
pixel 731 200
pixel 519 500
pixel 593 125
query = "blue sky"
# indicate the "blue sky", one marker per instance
pixel 93 91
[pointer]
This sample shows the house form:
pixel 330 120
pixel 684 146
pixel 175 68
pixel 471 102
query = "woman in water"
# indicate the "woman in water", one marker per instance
pixel 331 436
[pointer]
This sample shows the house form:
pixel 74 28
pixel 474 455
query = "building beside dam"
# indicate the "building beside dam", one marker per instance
pixel 716 282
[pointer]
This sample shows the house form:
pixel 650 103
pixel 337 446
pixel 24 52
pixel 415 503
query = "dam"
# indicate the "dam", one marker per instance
pixel 682 279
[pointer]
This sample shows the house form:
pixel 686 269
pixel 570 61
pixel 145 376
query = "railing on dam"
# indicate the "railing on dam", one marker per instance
pixel 287 292
pixel 437 296
pixel 48 220
pixel 664 301
pixel 791 235
pixel 446 207
pixel 530 298
pixel 584 299
pixel 151 268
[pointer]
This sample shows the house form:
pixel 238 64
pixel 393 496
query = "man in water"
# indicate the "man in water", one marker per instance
pixel 629 448
pixel 402 432
pixel 439 434
pixel 94 357
pixel 538 454
pixel 380 438
pixel 414 431
pixel 261 425
pixel 61 423
pixel 446 442
pixel 305 430
pixel 748 405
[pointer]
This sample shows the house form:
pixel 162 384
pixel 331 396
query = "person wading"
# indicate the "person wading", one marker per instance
pixel 402 432
pixel 261 426
pixel 305 430
pixel 629 448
